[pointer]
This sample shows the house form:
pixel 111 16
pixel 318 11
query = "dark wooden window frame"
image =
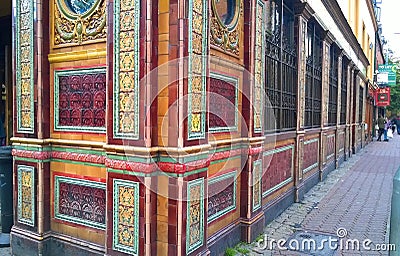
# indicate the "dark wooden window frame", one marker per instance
pixel 281 68
pixel 333 85
pixel 361 104
pixel 313 85
pixel 343 94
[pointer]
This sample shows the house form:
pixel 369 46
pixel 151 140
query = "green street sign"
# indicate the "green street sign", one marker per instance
pixel 387 74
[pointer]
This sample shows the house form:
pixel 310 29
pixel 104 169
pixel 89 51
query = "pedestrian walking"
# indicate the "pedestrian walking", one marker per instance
pixel 398 124
pixel 385 131
pixel 381 126
pixel 393 124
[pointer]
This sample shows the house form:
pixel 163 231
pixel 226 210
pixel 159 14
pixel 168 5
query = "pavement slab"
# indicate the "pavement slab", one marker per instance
pixel 352 205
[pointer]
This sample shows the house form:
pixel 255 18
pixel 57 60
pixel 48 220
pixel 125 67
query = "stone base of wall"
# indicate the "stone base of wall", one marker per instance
pixel 274 208
pixel 52 246
pixel 330 166
pixel 225 238
pixel 307 184
pixel 341 160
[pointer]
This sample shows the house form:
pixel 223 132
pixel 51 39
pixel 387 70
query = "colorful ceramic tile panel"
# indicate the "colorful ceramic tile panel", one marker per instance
pixel 257 173
pixel 79 22
pixel 195 215
pixel 224 25
pixel 26 194
pixel 126 69
pixel 197 69
pixel 24 66
pixel 278 168
pixel 223 106
pixel 126 216
pixel 331 144
pixel 311 155
pixel 259 69
pixel 80 201
pixel 80 100
pixel 221 195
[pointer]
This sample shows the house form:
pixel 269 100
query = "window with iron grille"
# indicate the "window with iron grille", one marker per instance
pixel 343 94
pixel 361 105
pixel 313 87
pixel 333 86
pixel 281 67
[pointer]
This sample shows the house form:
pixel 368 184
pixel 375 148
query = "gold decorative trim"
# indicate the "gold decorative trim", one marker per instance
pixel 77 29
pixel 83 143
pixel 226 37
pixel 80 55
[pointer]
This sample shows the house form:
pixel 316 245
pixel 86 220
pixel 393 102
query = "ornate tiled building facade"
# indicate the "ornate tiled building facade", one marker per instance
pixel 160 127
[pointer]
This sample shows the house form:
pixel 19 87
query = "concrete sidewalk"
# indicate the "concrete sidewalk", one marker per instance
pixel 352 204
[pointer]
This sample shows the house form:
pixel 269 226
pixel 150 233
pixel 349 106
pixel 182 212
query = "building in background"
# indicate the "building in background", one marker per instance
pixel 161 127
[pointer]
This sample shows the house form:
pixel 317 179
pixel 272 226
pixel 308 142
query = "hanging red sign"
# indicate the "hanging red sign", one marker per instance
pixel 382 97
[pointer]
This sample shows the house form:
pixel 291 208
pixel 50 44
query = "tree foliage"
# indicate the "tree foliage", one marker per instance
pixel 394 108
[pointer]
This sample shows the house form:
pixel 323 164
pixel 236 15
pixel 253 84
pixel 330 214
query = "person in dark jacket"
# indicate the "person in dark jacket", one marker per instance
pixel 397 122
pixel 381 125
pixel 393 124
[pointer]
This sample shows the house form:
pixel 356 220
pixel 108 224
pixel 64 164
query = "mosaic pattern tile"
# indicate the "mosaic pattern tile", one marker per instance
pixel 79 22
pixel 257 173
pixel 221 195
pixel 278 168
pixel 26 194
pixel 126 217
pixel 80 100
pixel 223 106
pixel 24 66
pixel 259 69
pixel 195 215
pixel 80 201
pixel 126 64
pixel 197 69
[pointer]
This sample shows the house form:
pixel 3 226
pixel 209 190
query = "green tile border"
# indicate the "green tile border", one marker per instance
pixel 199 243
pixel 79 182
pixel 116 71
pixel 260 86
pixel 31 169
pixel 70 72
pixel 131 250
pixel 31 160
pixel 76 162
pixel 201 134
pixel 257 178
pixel 31 8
